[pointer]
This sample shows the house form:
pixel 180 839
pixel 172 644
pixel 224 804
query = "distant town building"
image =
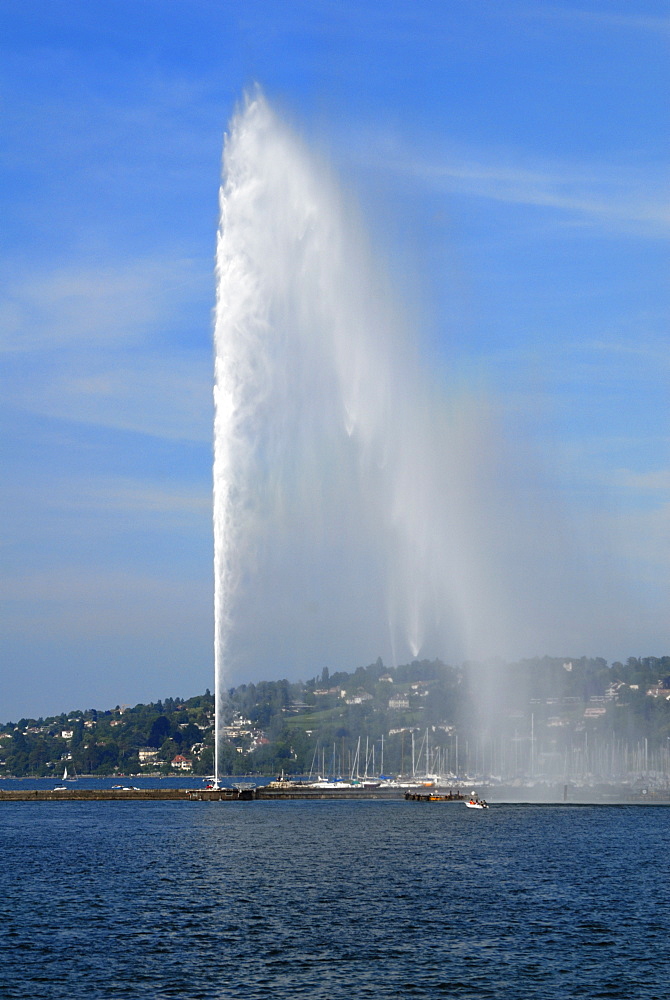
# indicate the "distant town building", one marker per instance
pixel 237 729
pixel 659 691
pixel 358 698
pixel 399 702
pixel 182 763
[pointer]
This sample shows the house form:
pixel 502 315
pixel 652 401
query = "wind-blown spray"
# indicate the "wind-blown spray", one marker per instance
pixel 358 510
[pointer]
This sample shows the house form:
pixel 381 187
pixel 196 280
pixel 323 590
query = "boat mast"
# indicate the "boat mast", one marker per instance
pixel 354 766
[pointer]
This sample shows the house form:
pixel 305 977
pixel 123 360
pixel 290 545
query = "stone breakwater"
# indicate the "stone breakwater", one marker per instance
pixel 559 795
pixel 115 794
pixel 196 794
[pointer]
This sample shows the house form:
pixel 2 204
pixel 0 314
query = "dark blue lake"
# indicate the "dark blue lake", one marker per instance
pixel 332 900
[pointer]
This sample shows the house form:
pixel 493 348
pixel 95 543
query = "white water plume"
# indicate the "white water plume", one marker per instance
pixel 359 508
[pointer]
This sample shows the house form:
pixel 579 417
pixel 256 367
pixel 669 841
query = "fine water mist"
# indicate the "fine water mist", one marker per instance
pixel 362 506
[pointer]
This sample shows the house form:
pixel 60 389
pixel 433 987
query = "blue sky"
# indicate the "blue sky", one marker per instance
pixel 511 164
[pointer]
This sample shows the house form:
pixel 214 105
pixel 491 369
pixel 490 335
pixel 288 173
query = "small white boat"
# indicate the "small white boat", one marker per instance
pixel 474 803
pixel 331 784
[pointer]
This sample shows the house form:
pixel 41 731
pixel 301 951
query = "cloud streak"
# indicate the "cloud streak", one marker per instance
pixel 167 398
pixel 125 347
pixel 612 198
pixel 96 307
pixel 600 19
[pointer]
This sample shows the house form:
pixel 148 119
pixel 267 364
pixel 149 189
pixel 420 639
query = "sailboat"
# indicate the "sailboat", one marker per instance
pixel 66 777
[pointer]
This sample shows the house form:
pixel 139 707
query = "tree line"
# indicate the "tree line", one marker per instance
pixel 371 717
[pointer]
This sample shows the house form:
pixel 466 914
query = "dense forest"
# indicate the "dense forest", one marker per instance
pixel 532 717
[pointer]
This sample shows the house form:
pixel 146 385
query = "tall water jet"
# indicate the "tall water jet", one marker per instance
pixel 359 507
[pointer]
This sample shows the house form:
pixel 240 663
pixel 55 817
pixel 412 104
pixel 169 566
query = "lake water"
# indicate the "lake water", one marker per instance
pixel 239 901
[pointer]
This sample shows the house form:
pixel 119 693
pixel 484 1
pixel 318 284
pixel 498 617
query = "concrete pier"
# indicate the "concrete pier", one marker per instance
pixel 262 792
pixel 268 793
pixel 119 795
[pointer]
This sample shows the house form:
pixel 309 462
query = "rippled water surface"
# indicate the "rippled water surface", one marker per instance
pixel 332 900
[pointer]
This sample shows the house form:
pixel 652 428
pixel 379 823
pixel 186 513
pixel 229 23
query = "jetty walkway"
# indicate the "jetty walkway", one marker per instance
pixel 261 792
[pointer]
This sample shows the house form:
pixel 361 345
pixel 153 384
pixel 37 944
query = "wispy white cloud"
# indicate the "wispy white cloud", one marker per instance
pixel 645 350
pixel 62 513
pixel 629 20
pixel 604 195
pixel 621 195
pixel 125 347
pixel 606 366
pixel 82 306
pixel 123 496
pixel 649 482
pixel 164 397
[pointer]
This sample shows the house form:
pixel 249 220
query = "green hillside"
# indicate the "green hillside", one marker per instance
pixel 521 718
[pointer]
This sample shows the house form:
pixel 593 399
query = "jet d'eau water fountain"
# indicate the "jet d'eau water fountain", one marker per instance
pixel 359 507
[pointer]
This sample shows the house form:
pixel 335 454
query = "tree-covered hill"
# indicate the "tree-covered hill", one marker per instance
pixel 526 716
